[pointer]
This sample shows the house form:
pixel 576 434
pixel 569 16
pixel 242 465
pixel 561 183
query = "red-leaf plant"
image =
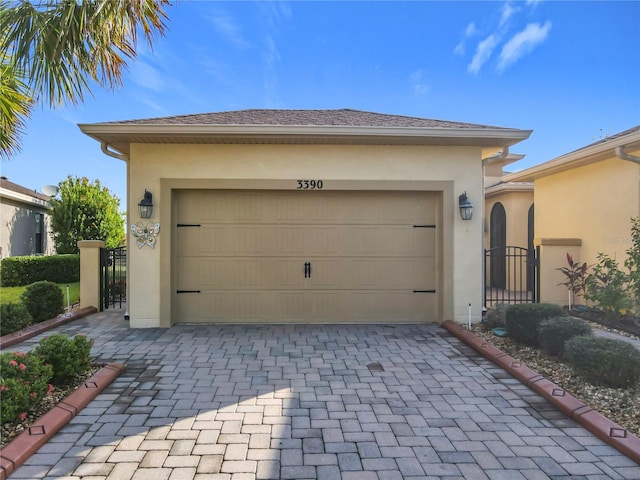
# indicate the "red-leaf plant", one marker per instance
pixel 576 274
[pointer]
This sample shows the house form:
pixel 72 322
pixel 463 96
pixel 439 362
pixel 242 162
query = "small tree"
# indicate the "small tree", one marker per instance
pixel 576 278
pixel 85 211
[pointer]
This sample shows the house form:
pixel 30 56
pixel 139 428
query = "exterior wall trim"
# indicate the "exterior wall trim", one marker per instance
pixel 558 242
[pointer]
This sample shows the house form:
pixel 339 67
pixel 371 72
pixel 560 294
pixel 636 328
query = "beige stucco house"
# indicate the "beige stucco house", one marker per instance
pixel 24 226
pixel 584 201
pixel 303 216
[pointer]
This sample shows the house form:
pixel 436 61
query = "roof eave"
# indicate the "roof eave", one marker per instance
pixel 120 135
pixel 575 159
pixel 509 187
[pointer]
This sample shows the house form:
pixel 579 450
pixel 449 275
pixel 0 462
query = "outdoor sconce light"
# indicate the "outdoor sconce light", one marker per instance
pixel 466 209
pixel 145 207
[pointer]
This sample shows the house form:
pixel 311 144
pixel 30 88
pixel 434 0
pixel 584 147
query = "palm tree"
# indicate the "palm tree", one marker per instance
pixel 15 104
pixel 52 49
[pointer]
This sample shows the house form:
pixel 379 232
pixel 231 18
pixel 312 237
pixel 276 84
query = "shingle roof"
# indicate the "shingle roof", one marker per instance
pixel 327 127
pixel 609 138
pixel 342 117
pixel 14 187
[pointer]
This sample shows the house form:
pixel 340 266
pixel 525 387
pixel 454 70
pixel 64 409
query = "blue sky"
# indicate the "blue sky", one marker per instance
pixel 567 70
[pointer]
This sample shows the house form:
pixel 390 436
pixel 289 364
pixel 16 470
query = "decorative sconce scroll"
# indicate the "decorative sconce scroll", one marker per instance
pixel 146 234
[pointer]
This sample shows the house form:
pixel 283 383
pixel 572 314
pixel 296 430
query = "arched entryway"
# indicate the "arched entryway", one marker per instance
pixel 497 244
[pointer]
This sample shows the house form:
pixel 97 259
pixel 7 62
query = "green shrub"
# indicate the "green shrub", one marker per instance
pixel 43 300
pixel 554 332
pixel 24 381
pixel 18 271
pixel 68 357
pixel 604 361
pixel 13 317
pixel 524 319
pixel 496 316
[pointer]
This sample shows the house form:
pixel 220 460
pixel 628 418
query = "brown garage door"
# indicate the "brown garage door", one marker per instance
pixel 300 256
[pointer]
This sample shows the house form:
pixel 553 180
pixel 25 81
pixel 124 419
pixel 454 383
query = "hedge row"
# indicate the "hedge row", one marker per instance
pixel 18 271
pixel 600 361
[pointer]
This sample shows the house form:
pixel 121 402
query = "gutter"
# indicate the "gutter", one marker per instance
pixel 620 153
pixel 104 146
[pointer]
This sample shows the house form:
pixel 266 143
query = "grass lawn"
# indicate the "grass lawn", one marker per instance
pixel 12 294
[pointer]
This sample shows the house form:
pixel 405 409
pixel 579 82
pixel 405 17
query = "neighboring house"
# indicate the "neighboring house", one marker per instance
pixel 303 216
pixel 584 202
pixel 24 214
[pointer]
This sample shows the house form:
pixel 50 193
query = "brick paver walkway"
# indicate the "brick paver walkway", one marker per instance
pixel 351 402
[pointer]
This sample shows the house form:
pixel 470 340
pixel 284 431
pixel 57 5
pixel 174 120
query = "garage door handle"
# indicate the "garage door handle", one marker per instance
pixel 188 291
pixel 307 270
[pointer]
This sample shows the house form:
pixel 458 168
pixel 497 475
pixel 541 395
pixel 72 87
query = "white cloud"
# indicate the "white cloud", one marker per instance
pixel 470 31
pixel 508 10
pixel 228 28
pixel 483 53
pixel 274 13
pixel 146 76
pixel 418 83
pixel 523 43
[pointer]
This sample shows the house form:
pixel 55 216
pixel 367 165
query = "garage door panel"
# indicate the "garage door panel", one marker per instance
pixel 248 256
pixel 240 272
pixel 313 240
pixel 373 273
pixel 220 206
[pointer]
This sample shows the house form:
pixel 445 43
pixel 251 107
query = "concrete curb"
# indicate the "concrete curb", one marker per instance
pixel 608 431
pixel 7 341
pixel 28 442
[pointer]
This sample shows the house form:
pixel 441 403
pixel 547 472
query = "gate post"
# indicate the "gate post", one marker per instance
pixel 90 273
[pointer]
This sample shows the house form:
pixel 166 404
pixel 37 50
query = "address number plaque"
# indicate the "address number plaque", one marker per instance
pixel 309 184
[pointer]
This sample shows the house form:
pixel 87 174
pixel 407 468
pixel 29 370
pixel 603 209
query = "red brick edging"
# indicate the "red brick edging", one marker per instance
pixel 42 430
pixel 37 328
pixel 605 429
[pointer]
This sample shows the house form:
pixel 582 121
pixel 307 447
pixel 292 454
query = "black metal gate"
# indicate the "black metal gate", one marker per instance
pixel 511 275
pixel 113 277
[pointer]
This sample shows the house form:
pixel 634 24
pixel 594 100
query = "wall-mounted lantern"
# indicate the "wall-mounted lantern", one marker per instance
pixel 145 207
pixel 466 209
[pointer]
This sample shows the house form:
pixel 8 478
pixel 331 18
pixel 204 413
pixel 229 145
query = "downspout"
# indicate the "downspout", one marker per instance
pixel 620 153
pixel 104 146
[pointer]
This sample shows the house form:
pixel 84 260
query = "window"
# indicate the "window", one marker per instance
pixel 39 237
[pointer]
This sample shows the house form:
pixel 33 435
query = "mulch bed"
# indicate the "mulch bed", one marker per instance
pixel 621 405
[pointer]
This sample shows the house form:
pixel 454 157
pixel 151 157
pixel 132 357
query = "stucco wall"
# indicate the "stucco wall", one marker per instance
pixel 593 203
pixel 18 228
pixel 155 167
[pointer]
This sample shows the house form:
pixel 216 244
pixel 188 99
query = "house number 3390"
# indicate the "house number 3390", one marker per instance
pixel 310 184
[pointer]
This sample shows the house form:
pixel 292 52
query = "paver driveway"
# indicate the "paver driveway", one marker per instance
pixel 328 402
